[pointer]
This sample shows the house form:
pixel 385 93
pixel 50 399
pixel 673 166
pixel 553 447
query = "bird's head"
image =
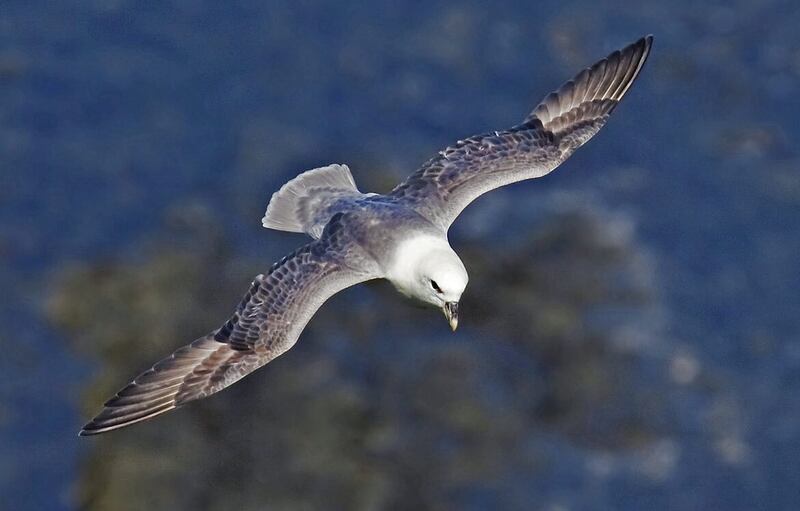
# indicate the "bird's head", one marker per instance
pixel 430 271
pixel 444 286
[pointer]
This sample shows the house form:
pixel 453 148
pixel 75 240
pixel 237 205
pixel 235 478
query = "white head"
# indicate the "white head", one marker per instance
pixel 427 269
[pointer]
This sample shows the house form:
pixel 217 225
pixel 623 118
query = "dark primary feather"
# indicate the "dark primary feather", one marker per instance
pixel 266 323
pixel 561 123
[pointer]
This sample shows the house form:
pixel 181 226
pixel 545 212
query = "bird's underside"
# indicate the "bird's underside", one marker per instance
pixel 325 204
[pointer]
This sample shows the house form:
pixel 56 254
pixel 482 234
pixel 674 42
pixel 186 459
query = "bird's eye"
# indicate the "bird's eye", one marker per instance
pixel 436 287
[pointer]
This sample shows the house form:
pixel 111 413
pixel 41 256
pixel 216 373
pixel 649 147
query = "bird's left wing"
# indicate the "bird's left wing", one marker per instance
pixel 562 122
pixel 266 323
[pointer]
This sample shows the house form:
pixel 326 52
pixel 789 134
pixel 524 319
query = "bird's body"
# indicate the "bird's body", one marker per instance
pixel 400 236
pixel 393 238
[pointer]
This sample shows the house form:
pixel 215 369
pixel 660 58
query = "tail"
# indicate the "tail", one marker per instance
pixel 301 204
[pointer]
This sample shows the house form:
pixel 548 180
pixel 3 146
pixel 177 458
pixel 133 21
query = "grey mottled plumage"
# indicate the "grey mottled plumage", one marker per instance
pixel 400 236
pixel 564 121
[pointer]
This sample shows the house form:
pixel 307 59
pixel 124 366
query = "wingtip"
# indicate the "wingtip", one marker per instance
pixel 99 425
pixel 647 42
pixel 93 428
pixel 87 430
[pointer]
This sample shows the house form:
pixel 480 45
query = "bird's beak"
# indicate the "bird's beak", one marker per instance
pixel 451 313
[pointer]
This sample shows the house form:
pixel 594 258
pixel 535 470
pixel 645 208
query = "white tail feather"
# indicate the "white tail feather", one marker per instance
pixel 293 207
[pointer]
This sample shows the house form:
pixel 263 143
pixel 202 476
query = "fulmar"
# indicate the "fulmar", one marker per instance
pixel 400 236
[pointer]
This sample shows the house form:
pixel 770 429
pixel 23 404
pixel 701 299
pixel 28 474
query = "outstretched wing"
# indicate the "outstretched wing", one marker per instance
pixel 266 323
pixel 564 121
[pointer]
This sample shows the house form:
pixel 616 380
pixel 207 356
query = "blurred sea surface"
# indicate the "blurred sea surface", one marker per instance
pixel 142 140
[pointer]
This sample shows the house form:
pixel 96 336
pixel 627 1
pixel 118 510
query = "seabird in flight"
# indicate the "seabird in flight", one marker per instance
pixel 400 236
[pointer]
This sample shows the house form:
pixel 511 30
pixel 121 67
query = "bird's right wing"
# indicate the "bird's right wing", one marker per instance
pixel 266 323
pixel 562 122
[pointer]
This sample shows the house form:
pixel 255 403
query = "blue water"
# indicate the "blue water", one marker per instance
pixel 111 113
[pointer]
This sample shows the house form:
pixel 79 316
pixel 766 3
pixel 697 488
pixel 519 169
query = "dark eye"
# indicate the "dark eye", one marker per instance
pixel 436 287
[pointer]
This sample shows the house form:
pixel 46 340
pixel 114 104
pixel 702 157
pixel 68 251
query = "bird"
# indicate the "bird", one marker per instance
pixel 400 236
